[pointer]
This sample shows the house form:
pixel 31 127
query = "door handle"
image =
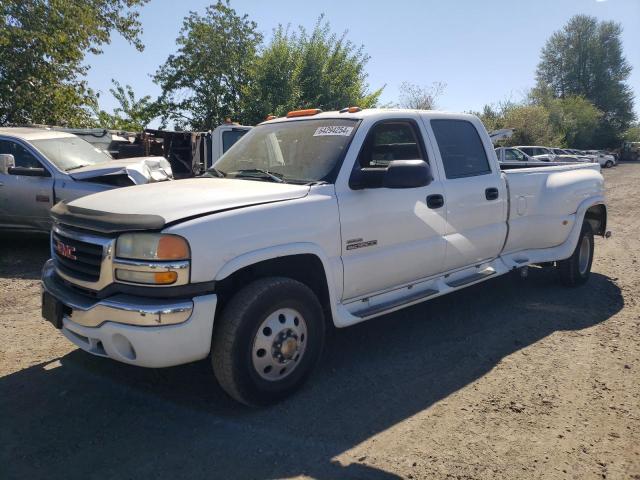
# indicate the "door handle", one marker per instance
pixel 435 201
pixel 491 193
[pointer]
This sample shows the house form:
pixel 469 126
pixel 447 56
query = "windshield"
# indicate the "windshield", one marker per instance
pixel 69 153
pixel 302 151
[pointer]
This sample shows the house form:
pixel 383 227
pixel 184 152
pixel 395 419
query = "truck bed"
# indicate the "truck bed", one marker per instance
pixel 543 200
pixel 508 166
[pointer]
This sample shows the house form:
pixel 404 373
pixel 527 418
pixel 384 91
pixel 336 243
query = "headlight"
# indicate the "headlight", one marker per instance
pixel 152 259
pixel 152 246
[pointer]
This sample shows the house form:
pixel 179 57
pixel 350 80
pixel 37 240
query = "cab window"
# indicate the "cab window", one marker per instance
pixel 388 141
pixel 23 157
pixel 461 148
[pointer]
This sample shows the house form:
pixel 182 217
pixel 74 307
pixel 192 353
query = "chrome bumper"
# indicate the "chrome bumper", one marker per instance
pixel 125 309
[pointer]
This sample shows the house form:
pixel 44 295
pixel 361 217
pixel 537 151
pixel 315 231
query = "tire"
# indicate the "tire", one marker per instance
pixel 576 269
pixel 258 376
pixel 608 164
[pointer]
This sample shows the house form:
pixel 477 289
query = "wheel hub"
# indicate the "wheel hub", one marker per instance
pixel 279 344
pixel 285 346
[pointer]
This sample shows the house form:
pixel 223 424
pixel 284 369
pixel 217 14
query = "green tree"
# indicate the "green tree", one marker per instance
pixel 202 83
pixel 42 47
pixel 532 124
pixel 299 69
pixel 586 59
pixel 131 114
pixel 576 120
pixel 632 134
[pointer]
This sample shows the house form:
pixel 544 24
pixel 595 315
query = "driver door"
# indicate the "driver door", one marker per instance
pixel 26 191
pixel 390 236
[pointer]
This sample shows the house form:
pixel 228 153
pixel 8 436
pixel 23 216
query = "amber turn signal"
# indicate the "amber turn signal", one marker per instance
pixel 172 247
pixel 165 278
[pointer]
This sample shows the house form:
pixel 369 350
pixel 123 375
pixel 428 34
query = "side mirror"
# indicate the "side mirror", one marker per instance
pixel 398 174
pixel 407 174
pixel 29 172
pixel 6 162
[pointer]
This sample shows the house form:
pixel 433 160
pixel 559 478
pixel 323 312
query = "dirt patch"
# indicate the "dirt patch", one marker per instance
pixel 507 379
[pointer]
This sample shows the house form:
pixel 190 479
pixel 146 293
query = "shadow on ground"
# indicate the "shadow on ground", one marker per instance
pixel 22 256
pixel 88 417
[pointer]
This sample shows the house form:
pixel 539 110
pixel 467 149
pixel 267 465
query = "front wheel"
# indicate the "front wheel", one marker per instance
pixel 575 270
pixel 608 164
pixel 267 340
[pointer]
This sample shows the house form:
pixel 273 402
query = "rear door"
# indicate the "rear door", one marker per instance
pixel 475 194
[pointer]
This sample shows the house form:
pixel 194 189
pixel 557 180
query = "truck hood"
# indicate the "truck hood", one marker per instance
pixel 140 170
pixel 153 206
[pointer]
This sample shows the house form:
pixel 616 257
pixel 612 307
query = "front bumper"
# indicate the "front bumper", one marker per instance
pixel 148 332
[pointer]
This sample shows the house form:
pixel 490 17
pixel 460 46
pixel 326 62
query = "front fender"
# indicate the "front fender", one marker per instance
pixel 332 267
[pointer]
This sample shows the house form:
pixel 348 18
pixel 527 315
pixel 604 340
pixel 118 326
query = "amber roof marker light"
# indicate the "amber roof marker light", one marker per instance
pixel 350 110
pixel 270 117
pixel 304 113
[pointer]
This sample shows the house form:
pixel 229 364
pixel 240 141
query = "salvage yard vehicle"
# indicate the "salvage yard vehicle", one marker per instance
pixel 191 153
pixel 548 154
pixel 40 167
pixel 514 158
pixel 538 153
pixel 311 220
pixel 605 160
pixel 569 155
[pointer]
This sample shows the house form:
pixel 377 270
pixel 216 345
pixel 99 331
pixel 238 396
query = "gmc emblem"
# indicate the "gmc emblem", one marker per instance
pixel 66 251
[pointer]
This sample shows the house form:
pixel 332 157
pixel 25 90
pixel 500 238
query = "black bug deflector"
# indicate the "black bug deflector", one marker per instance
pixel 104 222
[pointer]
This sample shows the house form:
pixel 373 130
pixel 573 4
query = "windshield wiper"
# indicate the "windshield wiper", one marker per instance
pixel 263 174
pixel 216 172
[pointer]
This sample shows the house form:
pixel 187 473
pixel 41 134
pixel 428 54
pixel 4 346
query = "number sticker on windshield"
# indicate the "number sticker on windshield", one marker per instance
pixel 336 130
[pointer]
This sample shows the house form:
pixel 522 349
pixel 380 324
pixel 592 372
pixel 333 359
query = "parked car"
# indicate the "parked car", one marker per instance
pixel 563 154
pixel 40 167
pixel 515 158
pixel 548 154
pixel 537 152
pixel 310 220
pixel 604 159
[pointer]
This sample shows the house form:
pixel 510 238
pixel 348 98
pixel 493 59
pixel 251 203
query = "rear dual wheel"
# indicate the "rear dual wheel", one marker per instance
pixel 268 340
pixel 576 269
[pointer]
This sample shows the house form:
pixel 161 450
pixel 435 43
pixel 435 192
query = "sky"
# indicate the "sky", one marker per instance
pixel 484 51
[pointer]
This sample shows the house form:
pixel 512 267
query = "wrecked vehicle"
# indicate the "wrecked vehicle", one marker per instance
pixel 39 168
pixel 191 153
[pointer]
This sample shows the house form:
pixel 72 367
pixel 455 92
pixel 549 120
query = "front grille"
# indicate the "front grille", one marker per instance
pixel 88 257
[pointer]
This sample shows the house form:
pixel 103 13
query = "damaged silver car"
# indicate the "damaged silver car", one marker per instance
pixel 39 168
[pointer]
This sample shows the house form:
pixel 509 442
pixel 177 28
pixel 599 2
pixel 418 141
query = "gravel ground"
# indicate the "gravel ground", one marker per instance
pixel 507 379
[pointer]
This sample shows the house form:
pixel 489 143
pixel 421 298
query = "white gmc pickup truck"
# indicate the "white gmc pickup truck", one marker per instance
pixel 310 220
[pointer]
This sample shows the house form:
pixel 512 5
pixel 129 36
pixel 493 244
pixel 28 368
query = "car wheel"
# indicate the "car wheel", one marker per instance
pixel 575 270
pixel 609 164
pixel 268 340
